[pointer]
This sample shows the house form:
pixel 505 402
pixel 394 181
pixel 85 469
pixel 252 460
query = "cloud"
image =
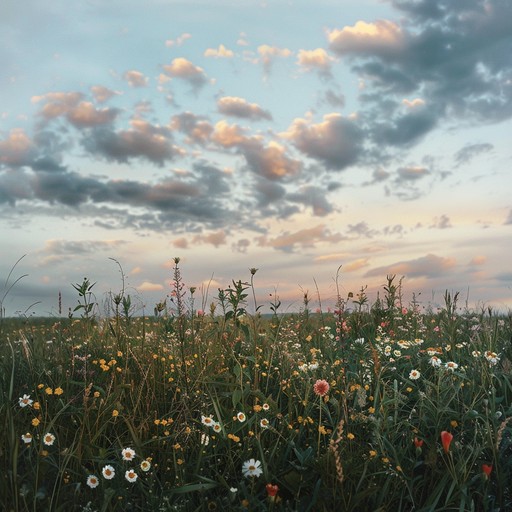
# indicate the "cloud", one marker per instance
pixel 239 107
pixel 58 250
pixel 142 140
pixel 430 266
pixel 73 107
pixel 478 261
pixel 509 218
pixel 102 94
pixel 334 99
pixel 216 239
pixel 314 197
pixel 467 153
pixel 147 286
pixel 315 60
pixel 178 41
pixel 355 265
pixel 183 69
pixel 219 53
pixel 17 149
pixel 442 222
pixel 135 78
pixel 380 38
pixel 336 142
pixel 411 173
pixel 267 55
pixel 308 237
pixel 197 128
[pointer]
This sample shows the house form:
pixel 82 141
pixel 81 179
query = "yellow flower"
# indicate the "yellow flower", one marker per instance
pixel 372 453
pixel 454 423
pixel 385 460
pixel 322 430
pixel 40 386
pixel 49 391
pixel 180 462
pixel 58 391
pixel 36 406
pixel 257 408
pixel 115 413
pixel 351 436
pixel 96 394
pixel 35 422
pixel 371 410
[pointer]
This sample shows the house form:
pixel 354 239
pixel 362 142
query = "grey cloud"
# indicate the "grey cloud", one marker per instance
pixel 509 218
pixel 142 141
pixel 314 197
pixel 361 229
pixel 336 142
pixel 467 153
pixel 197 128
pixel 442 222
pixel 430 266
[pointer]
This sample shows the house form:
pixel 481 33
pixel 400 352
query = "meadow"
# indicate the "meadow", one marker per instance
pixel 358 407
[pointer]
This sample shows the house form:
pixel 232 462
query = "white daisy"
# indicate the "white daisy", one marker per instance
pixel 130 475
pixel 145 465
pixel 27 438
pixel 25 401
pixel 92 481
pixel 128 453
pixel 48 439
pixel 251 468
pixel 414 375
pixel 108 472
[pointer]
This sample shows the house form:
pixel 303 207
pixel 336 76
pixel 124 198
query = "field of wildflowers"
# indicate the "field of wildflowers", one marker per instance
pixel 381 407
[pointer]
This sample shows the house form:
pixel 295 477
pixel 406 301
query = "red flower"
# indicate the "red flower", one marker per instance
pixel 271 490
pixel 446 439
pixel 487 468
pixel 418 442
pixel 321 387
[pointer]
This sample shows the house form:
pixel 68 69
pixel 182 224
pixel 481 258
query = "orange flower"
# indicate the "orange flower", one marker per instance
pixel 446 439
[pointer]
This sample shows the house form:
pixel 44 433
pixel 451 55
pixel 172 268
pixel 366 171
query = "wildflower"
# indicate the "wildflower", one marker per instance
pixel 216 427
pixel 207 420
pixel 256 408
pixel 241 417
pixel 108 472
pixel 205 440
pixel 48 439
pixel 271 490
pixel 130 475
pixel 450 365
pixel 145 465
pixel 372 453
pixel 264 423
pixel 321 387
pixel 35 422
pixel 37 406
pixel 180 462
pixel 252 467
pixel 27 438
pixel 414 375
pixel 351 436
pixel 418 442
pixel 313 366
pixel 435 361
pixel 128 454
pixel 49 391
pixel 92 481
pixel 25 401
pixel 265 407
pixel 446 439
pixel 115 413
pixel 58 391
pixel 454 423
pixel 491 357
pixel 486 469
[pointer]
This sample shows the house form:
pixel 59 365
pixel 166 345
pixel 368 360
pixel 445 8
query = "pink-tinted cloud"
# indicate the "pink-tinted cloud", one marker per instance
pixel 380 38
pixel 239 107
pixel 268 54
pixel 135 78
pixel 308 237
pixel 102 94
pixel 430 266
pixel 315 60
pixel 219 53
pixel 179 40
pixel 183 69
pixel 17 149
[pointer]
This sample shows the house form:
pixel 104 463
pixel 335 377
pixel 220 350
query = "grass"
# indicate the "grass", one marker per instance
pixel 382 407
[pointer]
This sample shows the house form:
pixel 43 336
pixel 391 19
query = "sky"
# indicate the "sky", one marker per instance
pixel 309 140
